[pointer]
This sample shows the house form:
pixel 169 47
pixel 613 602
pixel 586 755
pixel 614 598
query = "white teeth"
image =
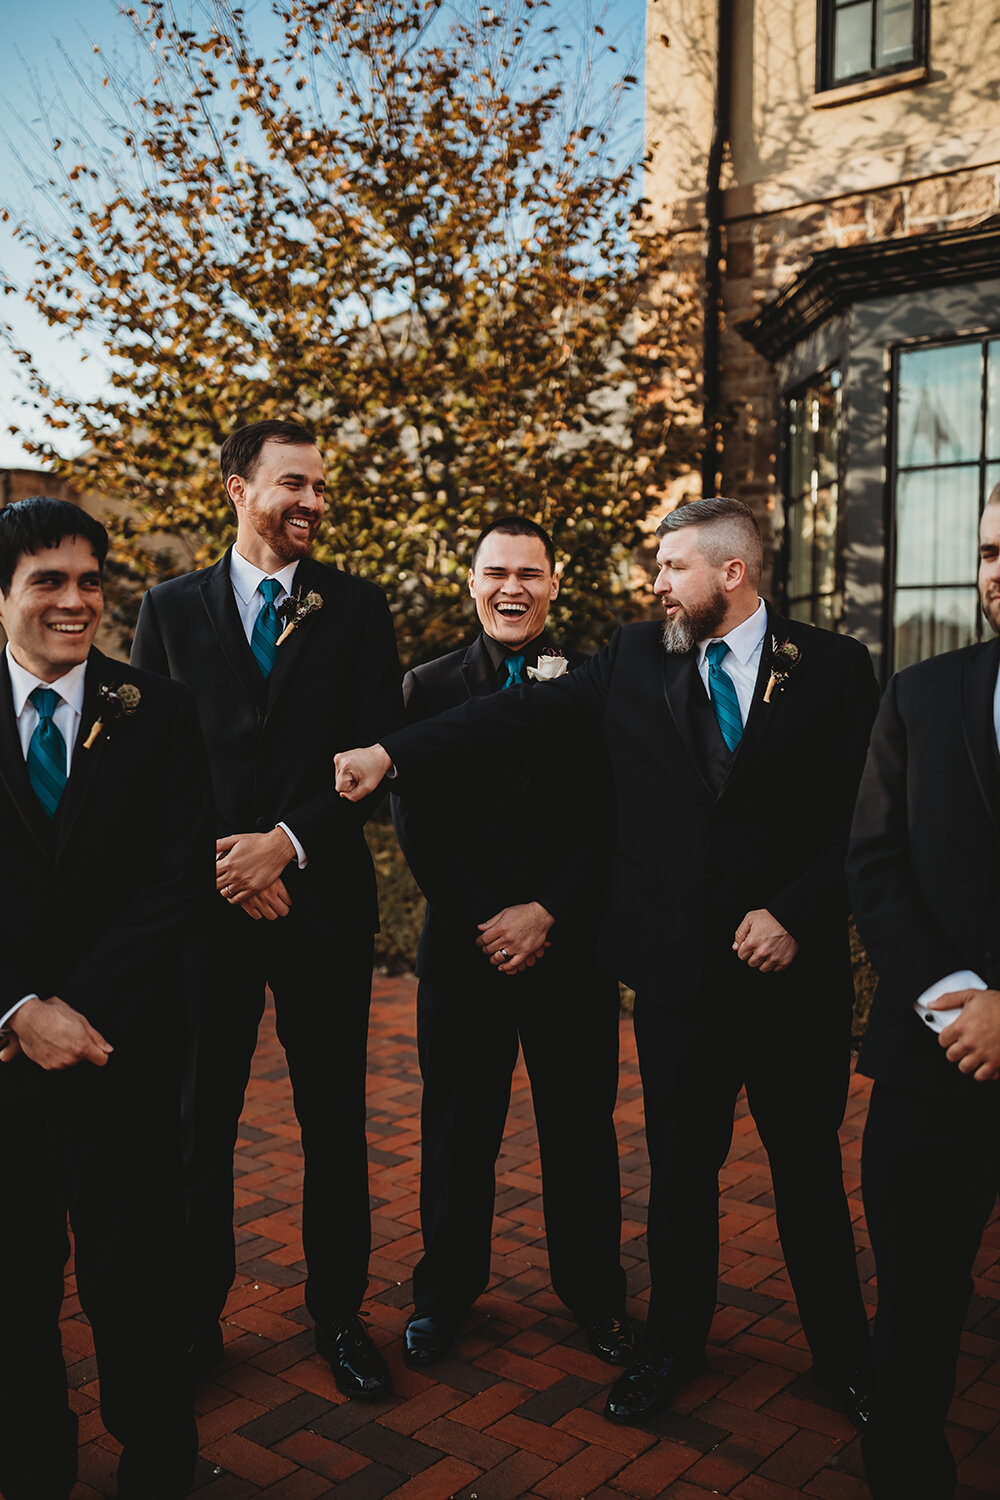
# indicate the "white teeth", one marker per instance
pixel 69 629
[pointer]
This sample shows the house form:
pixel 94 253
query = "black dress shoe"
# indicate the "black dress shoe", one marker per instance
pixel 851 1389
pixel 611 1339
pixel 357 1366
pixel 428 1339
pixel 205 1349
pixel 649 1385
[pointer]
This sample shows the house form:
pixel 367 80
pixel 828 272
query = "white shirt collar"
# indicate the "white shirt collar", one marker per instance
pixel 743 640
pixel 246 576
pixel 70 687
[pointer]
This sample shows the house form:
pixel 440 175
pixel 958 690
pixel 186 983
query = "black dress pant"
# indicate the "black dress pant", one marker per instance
pixel 468 1032
pixel 931 1171
pixel 101 1145
pixel 767 1032
pixel 321 983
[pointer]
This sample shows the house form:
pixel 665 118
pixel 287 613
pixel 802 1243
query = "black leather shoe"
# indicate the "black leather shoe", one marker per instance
pixel 649 1385
pixel 428 1339
pixel 358 1368
pixel 852 1390
pixel 611 1339
pixel 205 1349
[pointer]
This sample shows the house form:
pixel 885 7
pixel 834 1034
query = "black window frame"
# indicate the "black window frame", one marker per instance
pixel 826 12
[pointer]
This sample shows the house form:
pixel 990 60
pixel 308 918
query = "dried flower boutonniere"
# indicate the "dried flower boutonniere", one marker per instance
pixel 551 664
pixel 784 659
pixel 295 609
pixel 119 702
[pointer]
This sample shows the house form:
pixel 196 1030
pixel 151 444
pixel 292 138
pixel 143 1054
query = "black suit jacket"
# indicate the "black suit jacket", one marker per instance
pixel 335 683
pixel 98 902
pixel 924 862
pixel 691 859
pixel 504 829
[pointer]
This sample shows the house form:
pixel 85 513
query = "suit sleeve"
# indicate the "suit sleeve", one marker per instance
pixel 148 650
pixel 819 887
pixel 898 928
pixel 378 709
pixel 174 877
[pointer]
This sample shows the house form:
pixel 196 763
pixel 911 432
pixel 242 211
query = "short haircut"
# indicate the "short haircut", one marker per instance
pixel 993 498
pixel 32 525
pixel 516 526
pixel 242 449
pixel 727 529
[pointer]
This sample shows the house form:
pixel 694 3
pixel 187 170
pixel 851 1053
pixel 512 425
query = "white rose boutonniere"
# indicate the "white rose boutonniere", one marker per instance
pixel 551 664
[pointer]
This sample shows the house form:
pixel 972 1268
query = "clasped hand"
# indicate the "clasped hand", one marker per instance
pixel 763 943
pixel 972 1041
pixel 55 1036
pixel 520 932
pixel 248 870
pixel 360 771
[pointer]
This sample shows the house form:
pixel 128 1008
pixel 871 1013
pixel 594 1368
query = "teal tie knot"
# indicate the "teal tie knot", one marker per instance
pixel 723 695
pixel 46 752
pixel 515 670
pixel 266 630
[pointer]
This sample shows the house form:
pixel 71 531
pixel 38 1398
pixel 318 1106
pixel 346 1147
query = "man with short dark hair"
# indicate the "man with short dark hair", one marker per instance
pixel 288 660
pixel 924 878
pixel 105 825
pixel 513 873
pixel 736 740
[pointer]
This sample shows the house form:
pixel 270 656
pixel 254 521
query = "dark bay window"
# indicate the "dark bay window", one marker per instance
pixel 947 459
pixel 864 38
pixel 813 590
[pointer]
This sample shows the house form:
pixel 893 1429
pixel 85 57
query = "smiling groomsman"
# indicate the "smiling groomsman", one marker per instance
pixel 512 855
pixel 289 660
pixel 105 826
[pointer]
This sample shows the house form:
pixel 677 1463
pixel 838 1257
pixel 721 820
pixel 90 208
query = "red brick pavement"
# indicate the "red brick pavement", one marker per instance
pixel 516 1410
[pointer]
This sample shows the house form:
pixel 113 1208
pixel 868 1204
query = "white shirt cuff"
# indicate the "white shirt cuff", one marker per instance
pixel 5 1020
pixel 300 853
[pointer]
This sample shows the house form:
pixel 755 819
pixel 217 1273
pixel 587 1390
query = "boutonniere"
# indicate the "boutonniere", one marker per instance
pixel 784 659
pixel 551 663
pixel 113 703
pixel 296 608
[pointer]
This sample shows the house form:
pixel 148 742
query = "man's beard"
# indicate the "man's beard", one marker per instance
pixel 989 603
pixel 685 629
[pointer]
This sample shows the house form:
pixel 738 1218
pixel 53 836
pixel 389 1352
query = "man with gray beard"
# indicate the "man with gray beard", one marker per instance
pixel 736 740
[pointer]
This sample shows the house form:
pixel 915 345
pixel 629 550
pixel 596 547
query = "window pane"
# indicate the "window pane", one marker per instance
pixel 825 525
pixel 826 612
pixel 800 540
pixel 894 43
pixel 802 610
pixel 937 521
pixel 852 40
pixel 940 395
pixel 993 399
pixel 929 621
pixel 799 447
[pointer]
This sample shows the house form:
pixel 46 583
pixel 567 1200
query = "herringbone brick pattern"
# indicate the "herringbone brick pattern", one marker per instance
pixel 516 1410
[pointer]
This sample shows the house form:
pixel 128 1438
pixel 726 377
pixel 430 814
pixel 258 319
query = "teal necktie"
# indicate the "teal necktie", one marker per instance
pixel 47 752
pixel 515 671
pixel 264 640
pixel 723 695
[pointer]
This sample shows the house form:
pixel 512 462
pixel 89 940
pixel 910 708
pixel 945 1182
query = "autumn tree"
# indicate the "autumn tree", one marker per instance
pixel 399 227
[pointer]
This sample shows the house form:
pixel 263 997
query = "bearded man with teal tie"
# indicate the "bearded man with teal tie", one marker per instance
pixel 287 659
pixel 736 741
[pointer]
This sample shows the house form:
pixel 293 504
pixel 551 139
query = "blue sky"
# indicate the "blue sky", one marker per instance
pixel 44 40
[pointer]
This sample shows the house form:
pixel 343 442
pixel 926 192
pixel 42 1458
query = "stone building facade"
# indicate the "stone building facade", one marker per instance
pixel 838 163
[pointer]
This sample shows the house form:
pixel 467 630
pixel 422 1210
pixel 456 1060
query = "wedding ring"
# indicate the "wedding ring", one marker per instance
pixel 504 953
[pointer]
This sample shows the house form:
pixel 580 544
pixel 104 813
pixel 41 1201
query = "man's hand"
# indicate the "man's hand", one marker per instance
pixel 972 1041
pixel 247 863
pixel 270 903
pixel 763 943
pixel 359 772
pixel 54 1035
pixel 11 1047
pixel 515 937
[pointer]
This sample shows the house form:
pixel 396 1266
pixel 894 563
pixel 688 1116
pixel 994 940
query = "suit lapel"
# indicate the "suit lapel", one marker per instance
pixel 306 578
pixel 762 715
pixel 678 670
pixel 477 670
pixel 86 762
pixel 217 595
pixel 977 689
pixel 14 771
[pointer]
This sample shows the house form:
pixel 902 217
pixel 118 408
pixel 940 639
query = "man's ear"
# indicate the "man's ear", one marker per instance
pixel 736 572
pixel 555 586
pixel 236 489
pixel 472 583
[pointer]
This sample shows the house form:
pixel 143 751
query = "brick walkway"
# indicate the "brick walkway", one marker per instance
pixel 516 1411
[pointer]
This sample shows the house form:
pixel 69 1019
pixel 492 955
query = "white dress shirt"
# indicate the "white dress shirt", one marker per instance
pixel 246 579
pixel 742 661
pixel 66 719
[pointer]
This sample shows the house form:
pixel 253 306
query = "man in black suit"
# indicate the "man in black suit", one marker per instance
pixel 736 741
pixel 288 660
pixel 925 880
pixel 105 824
pixel 513 877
